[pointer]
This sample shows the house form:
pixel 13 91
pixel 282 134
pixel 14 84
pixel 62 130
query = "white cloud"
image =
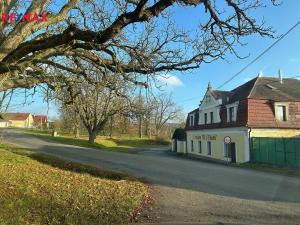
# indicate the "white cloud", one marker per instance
pixel 170 81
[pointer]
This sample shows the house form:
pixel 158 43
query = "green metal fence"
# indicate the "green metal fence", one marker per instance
pixel 276 151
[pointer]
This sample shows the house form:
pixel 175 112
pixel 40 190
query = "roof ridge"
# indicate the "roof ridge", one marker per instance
pixel 254 85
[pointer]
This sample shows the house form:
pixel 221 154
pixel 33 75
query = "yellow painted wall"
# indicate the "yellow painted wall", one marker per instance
pixel 239 137
pixel 28 123
pixel 275 133
pixel 181 146
pixel 17 123
pixel 3 124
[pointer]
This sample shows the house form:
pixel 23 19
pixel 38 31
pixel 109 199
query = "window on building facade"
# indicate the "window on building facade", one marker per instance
pixel 205 118
pixel 192 145
pixel 200 147
pixel 231 114
pixel 208 148
pixel 211 117
pixel 192 120
pixel 281 112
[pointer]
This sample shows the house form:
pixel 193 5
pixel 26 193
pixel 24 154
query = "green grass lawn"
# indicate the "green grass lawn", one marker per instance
pixel 39 189
pixel 123 144
pixel 295 172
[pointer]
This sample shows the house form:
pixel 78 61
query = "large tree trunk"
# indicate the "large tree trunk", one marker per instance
pixel 92 136
pixel 148 129
pixel 140 127
pixel 77 134
pixel 111 127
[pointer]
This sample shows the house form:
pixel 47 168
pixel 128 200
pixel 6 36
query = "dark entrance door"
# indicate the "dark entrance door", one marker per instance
pixel 232 151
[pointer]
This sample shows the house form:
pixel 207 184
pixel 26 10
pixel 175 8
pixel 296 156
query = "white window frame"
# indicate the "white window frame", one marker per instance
pixel 276 105
pixel 211 117
pixel 200 150
pixel 235 108
pixel 200 117
pixel 231 114
pixel 192 119
pixel 192 145
pixel 208 148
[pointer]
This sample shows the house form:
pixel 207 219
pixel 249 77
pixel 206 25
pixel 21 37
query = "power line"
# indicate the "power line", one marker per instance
pixel 260 55
pixel 190 99
pixel 254 60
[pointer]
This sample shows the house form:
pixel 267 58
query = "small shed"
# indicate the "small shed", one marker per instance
pixel 179 141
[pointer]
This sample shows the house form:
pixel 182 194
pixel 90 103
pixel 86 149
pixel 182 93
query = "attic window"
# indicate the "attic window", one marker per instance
pixel 232 112
pixel 271 87
pixel 192 120
pixel 282 111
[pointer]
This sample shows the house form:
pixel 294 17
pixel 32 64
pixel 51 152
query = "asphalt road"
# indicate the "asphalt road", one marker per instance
pixel 164 169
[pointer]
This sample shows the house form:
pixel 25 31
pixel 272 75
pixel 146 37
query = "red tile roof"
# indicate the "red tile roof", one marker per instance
pixel 256 104
pixel 15 116
pixel 40 119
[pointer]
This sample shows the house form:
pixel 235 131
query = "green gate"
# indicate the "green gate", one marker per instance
pixel 276 151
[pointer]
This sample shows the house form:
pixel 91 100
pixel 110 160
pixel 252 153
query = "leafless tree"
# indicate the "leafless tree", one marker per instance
pixel 165 110
pixel 95 102
pixel 5 100
pixel 133 39
pixel 95 108
pixel 140 112
pixel 71 120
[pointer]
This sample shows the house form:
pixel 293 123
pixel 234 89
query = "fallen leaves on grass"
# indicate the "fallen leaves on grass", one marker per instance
pixel 32 192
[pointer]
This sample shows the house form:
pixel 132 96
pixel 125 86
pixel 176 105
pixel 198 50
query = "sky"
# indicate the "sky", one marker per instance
pixel 187 89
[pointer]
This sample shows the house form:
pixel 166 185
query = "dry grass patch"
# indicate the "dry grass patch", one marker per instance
pixel 120 144
pixel 38 189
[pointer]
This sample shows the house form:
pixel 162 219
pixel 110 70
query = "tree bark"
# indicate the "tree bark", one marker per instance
pixel 140 127
pixel 77 134
pixel 92 136
pixel 111 127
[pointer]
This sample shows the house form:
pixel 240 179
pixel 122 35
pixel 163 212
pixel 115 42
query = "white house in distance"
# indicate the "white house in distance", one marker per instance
pixel 4 123
pixel 225 122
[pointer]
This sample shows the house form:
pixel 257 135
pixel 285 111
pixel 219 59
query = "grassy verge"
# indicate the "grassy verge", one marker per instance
pixel 39 189
pixel 272 169
pixel 123 144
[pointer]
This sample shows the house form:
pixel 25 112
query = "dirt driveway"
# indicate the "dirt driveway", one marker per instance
pixel 182 206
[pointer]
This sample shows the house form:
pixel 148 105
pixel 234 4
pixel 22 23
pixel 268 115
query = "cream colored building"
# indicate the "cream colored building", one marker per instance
pixel 3 123
pixel 210 144
pixel 19 120
pixel 222 126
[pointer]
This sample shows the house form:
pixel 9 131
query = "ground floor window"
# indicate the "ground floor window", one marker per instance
pixel 208 148
pixel 192 145
pixel 200 147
